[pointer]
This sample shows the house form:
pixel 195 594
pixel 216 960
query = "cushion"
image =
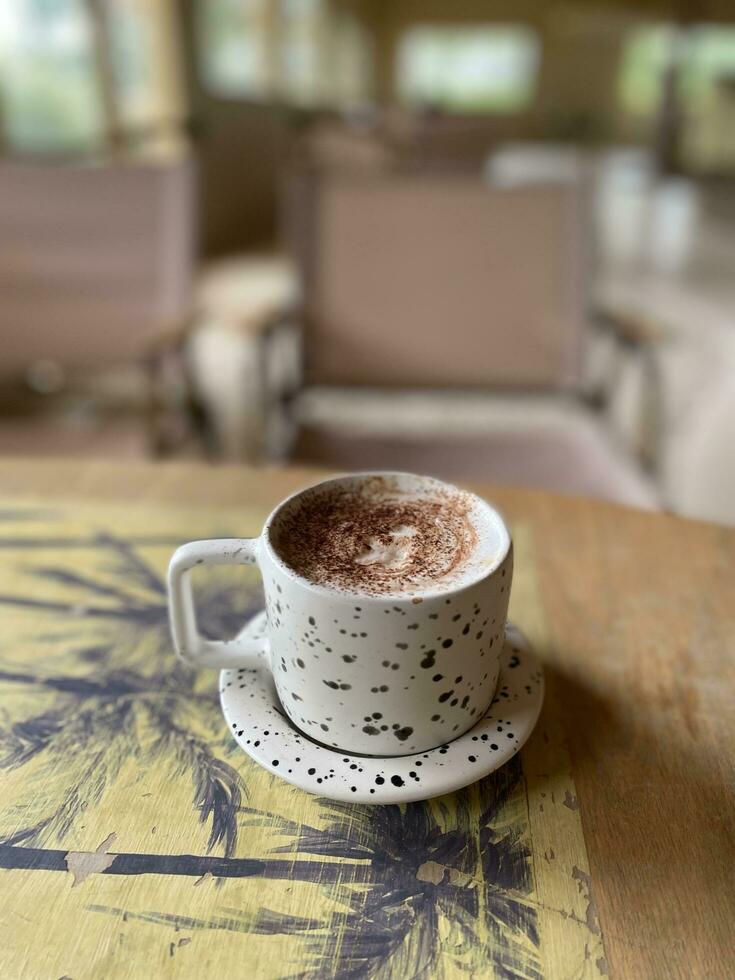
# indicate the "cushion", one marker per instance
pixel 533 442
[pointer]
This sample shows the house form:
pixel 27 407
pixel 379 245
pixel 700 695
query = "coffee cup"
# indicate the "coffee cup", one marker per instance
pixel 386 598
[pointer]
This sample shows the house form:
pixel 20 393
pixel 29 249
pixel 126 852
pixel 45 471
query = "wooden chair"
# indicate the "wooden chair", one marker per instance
pixel 442 287
pixel 96 269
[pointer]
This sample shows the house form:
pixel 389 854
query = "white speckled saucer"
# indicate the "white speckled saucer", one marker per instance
pixel 260 726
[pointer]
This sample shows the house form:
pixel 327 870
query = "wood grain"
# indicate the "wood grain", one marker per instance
pixel 635 616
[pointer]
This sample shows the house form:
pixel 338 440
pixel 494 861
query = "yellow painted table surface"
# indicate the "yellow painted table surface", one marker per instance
pixel 137 840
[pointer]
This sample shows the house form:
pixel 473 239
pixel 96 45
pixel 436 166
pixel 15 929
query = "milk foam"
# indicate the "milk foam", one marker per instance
pixel 388 535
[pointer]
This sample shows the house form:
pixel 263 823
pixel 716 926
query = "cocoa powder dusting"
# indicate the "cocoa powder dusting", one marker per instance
pixel 375 539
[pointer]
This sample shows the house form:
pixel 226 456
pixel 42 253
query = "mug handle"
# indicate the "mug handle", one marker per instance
pixel 191 646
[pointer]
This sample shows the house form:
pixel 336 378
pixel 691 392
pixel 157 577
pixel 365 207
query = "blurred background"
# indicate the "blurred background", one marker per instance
pixel 485 240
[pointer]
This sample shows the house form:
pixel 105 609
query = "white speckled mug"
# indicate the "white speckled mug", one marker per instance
pixel 379 675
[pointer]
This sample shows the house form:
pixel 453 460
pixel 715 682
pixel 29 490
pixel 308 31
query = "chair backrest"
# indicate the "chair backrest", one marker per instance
pixel 95 262
pixel 442 280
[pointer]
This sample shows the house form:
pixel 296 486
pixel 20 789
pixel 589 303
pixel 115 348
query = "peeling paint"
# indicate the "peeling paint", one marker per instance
pixel 430 871
pixel 82 864
pixel 571 801
pixel 461 879
pixel 585 888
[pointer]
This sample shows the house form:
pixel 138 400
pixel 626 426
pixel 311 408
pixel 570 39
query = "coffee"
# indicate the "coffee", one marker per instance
pixel 382 536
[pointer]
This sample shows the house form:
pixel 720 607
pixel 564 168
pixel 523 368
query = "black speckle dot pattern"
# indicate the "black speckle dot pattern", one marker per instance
pixel 332 651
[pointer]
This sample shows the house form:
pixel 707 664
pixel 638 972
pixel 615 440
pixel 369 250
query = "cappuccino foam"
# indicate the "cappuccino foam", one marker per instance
pixel 380 535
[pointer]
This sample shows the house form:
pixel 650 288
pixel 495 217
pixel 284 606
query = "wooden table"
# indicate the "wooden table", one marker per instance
pixel 138 841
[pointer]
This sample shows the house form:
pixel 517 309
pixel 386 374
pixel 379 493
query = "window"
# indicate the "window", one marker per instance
pixel 708 90
pixel 145 58
pixel 234 37
pixel 704 56
pixel 70 81
pixel 353 61
pixel 48 82
pixel 306 52
pixel 468 69
pixel 301 42
pixel 647 53
pixel 710 66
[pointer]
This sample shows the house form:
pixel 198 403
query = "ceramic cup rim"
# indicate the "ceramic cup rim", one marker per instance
pixel 436 592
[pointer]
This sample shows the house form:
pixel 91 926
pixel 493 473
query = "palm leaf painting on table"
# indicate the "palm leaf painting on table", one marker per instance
pixel 426 888
pixel 114 683
pixel 420 890
pixel 423 890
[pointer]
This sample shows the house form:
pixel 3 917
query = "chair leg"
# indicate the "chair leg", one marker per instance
pixel 154 432
pixel 173 413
